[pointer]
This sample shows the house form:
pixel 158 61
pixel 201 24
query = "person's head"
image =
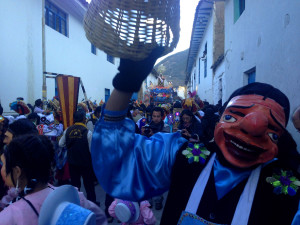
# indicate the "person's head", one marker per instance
pixel 97 111
pixel 177 104
pixel 253 121
pixel 34 118
pixel 135 112
pixel 186 117
pixel 157 114
pixel 26 158
pixel 296 118
pixel 79 116
pixel 18 128
pixel 38 103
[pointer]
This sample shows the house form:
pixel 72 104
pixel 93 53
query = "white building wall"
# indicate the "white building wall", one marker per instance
pixel 20 51
pixel 218 83
pixel 21 70
pixel 266 36
pixel 205 88
pixel 72 55
pixel 181 92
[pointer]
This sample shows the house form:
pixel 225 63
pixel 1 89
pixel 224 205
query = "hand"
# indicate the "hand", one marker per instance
pixel 185 133
pixel 133 73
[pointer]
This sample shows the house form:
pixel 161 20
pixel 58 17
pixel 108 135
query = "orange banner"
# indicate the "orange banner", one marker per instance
pixel 68 88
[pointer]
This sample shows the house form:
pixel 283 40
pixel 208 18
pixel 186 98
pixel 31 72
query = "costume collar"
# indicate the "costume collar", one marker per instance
pixel 80 124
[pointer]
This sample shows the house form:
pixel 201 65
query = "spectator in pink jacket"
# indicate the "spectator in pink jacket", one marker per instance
pixel 26 166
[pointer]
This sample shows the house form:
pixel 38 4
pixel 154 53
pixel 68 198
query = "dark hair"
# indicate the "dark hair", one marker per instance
pixel 177 104
pixel 5 124
pixel 157 109
pixel 34 154
pixel 30 107
pixel 143 107
pixel 34 117
pixel 1 109
pixel 267 91
pixel 187 112
pixel 98 109
pixel 21 127
pixel 79 116
pixel 38 102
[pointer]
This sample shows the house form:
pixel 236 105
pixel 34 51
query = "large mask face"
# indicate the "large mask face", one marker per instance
pixel 249 129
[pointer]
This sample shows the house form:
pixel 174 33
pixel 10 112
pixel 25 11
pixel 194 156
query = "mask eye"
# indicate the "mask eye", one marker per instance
pixel 274 137
pixel 229 119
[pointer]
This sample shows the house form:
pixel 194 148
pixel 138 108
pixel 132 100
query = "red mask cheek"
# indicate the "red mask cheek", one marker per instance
pixel 218 134
pixel 270 154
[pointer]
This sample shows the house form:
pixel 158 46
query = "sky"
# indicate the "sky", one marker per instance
pixel 187 14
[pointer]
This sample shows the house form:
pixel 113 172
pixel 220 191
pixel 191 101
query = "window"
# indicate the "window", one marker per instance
pixel 56 18
pixel 56 89
pixel 205 60
pixel 107 94
pixel 250 76
pixel 110 59
pixel 199 71
pixel 239 7
pixel 93 49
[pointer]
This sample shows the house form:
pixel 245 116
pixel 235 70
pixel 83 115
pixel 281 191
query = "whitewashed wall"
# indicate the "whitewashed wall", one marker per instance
pixel 205 88
pixel 20 51
pixel 266 36
pixel 72 55
pixel 218 83
pixel 21 54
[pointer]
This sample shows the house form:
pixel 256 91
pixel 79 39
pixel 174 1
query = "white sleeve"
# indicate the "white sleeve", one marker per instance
pixel 62 141
pixel 90 126
pixel 89 137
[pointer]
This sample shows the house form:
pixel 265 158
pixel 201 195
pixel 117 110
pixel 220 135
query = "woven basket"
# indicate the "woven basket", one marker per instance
pixel 131 29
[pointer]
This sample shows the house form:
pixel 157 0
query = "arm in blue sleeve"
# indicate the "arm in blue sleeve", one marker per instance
pixel 130 166
pixel 296 220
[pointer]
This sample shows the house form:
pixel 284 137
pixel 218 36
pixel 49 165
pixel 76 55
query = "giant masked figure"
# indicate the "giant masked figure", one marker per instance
pixel 246 176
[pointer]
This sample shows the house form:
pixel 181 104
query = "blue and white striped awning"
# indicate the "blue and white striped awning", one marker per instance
pixel 202 15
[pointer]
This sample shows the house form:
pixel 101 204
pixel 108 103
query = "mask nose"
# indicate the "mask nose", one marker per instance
pixel 255 124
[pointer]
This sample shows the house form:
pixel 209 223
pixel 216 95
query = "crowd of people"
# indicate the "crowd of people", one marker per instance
pixel 234 163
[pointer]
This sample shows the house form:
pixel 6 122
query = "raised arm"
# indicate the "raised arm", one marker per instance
pixel 129 79
pixel 118 100
pixel 127 164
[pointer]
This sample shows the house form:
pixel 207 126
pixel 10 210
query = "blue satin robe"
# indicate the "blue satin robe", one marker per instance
pixel 133 167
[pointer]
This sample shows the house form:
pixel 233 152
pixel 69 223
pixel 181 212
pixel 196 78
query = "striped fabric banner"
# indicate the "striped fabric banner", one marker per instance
pixel 68 87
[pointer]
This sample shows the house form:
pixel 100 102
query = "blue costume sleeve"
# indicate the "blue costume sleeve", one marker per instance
pixel 130 166
pixel 296 220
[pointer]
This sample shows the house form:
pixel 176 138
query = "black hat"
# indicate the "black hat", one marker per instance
pixel 21 127
pixel 267 91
